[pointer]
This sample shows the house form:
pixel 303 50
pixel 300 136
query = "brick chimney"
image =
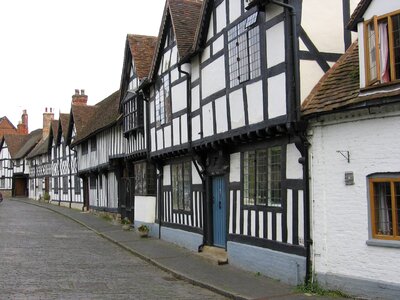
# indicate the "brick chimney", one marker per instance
pixel 48 116
pixel 22 127
pixel 79 99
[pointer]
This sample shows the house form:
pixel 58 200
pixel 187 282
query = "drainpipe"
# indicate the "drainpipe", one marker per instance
pixel 294 117
pixel 159 195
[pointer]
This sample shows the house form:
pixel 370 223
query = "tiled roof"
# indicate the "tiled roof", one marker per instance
pixel 41 148
pixel 357 14
pixel 338 87
pixel 14 142
pixel 31 140
pixel 142 50
pixel 97 117
pixel 54 129
pixel 64 121
pixel 82 115
pixel 185 16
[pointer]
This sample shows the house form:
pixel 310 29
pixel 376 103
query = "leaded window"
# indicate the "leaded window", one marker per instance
pixel 181 186
pixel 145 179
pixel 244 51
pixel 93 144
pixel 262 177
pixel 65 184
pixel 92 182
pixel 2 182
pixel 55 185
pixel 163 101
pixel 385 207
pixel 84 148
pixel 133 113
pixel 77 185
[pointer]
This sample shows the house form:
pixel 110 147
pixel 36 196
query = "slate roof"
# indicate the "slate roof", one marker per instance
pixel 356 17
pixel 31 140
pixel 185 16
pixel 339 89
pixel 142 50
pixel 91 119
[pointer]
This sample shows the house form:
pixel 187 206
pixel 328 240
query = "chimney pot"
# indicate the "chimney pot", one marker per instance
pixel 45 109
pixel 82 92
pixel 76 92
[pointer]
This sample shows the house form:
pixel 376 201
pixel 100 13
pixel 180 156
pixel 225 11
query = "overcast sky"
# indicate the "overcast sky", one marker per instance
pixel 49 48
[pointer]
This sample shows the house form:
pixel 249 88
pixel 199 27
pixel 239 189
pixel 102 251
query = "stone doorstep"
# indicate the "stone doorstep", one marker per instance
pixel 214 254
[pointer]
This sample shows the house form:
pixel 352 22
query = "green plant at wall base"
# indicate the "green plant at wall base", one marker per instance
pixel 315 289
pixel 143 228
pixel 46 196
pixel 125 221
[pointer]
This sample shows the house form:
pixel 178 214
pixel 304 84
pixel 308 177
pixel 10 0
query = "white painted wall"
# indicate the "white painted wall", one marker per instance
pixel 220 17
pixel 208 124
pixel 221 114
pixel 145 208
pixel 255 102
pixel 234 172
pixel 213 77
pixel 195 176
pixel 237 109
pixel 179 97
pixel 275 45
pixel 310 74
pixel 340 212
pixel 167 175
pixel 235 10
pixel 294 170
pixel 277 96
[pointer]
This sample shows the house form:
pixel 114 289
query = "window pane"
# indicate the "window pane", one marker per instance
pixel 397 193
pixel 372 52
pixel 243 58
pixel 274 176
pixel 249 177
pixel 383 209
pixel 254 52
pixel 252 19
pixel 175 186
pixel 233 64
pixel 396 44
pixel 262 177
pixel 186 185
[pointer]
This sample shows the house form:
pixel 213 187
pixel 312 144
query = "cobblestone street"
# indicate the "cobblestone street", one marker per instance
pixel 44 255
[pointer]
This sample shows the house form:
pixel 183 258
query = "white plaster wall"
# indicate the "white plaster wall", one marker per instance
pixel 195 176
pixel 195 68
pixel 277 96
pixel 176 127
pixel 174 74
pixel 210 32
pixel 213 77
pixel 167 136
pixel 221 16
pixel 221 115
pixel 184 129
pixel 218 44
pixel 196 128
pixel 234 172
pixel 255 106
pixel 167 175
pixel 160 143
pixel 235 10
pixel 205 54
pixel 310 74
pixel 179 97
pixel 145 208
pixel 294 169
pixel 195 98
pixel 323 23
pixel 208 124
pixel 381 7
pixel 237 109
pixel 340 212
pixel 151 107
pixel 153 139
pixel 174 55
pixel 275 45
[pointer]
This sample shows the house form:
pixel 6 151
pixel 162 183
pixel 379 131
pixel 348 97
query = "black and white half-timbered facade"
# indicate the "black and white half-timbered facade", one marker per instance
pixel 67 187
pixel 137 195
pixel 225 128
pixel 95 133
pixel 9 144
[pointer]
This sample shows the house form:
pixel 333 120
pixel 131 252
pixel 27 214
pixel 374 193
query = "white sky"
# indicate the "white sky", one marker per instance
pixel 49 48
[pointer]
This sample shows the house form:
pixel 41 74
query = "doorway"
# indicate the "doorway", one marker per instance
pixel 219 211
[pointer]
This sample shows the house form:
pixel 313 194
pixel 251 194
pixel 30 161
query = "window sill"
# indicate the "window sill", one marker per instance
pixel 383 243
pixel 377 86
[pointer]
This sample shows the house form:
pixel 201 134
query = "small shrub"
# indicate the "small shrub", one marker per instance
pixel 143 228
pixel 46 196
pixel 316 289
pixel 125 221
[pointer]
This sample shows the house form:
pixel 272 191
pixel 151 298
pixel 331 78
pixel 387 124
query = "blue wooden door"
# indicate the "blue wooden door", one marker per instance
pixel 219 211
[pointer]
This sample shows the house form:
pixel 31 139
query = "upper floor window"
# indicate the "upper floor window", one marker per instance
pixel 133 113
pixel 133 82
pixel 64 150
pixel 181 186
pixel 84 148
pixel 77 185
pixel 382 48
pixel 163 101
pixel 93 144
pixel 244 51
pixel 262 177
pixel 65 185
pixel 384 200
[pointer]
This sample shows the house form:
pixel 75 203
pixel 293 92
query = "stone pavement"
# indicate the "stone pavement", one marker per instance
pixel 226 280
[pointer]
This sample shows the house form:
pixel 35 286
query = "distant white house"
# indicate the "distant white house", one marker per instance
pixel 354 118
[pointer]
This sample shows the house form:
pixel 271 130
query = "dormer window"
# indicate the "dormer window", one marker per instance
pixel 133 112
pixel 133 82
pixel 382 49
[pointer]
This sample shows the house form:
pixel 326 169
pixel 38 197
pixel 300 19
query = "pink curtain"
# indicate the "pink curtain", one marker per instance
pixel 384 51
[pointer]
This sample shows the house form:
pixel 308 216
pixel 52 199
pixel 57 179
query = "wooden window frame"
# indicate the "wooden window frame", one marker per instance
pixel 65 185
pixel 133 114
pixel 162 101
pixel 93 144
pixel 85 147
pixel 375 20
pixel 395 221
